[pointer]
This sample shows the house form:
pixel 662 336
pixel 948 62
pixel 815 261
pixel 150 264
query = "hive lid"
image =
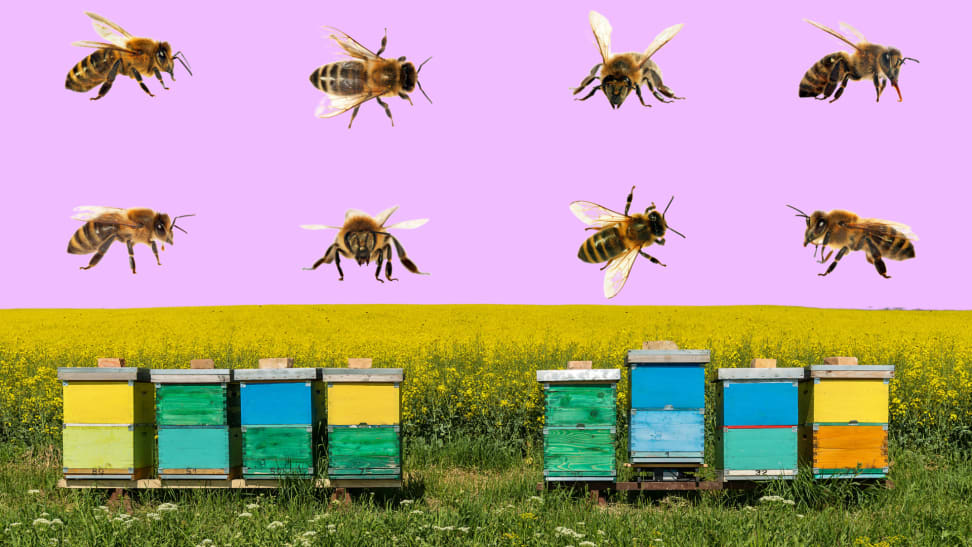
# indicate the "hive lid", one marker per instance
pixel 679 356
pixel 95 374
pixel 363 375
pixel 850 371
pixel 190 375
pixel 579 375
pixel 276 374
pixel 790 373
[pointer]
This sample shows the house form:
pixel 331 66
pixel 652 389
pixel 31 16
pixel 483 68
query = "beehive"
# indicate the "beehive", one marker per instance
pixel 109 419
pixel 364 439
pixel 844 417
pixel 667 406
pixel 198 417
pixel 579 434
pixel 281 417
pixel 757 423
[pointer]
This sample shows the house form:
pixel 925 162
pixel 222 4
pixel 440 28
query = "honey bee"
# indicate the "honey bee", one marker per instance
pixel 365 76
pixel 620 238
pixel 868 60
pixel 104 225
pixel 622 72
pixel 846 231
pixel 126 54
pixel 364 239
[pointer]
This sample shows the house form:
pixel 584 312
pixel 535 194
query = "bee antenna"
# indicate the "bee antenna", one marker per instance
pixel 903 59
pixel 420 83
pixel 675 231
pixel 180 228
pixel 421 65
pixel 179 56
pixel 666 210
pixel 802 214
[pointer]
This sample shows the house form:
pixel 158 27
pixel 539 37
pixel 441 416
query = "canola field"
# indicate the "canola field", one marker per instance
pixel 470 369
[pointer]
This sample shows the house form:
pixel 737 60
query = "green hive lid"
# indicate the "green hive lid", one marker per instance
pixel 276 374
pixel 850 371
pixel 783 374
pixel 579 375
pixel 98 374
pixel 363 375
pixel 662 356
pixel 190 375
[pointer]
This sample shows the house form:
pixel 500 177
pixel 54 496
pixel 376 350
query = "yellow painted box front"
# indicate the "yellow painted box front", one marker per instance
pixel 843 401
pixel 111 447
pixel 109 403
pixel 356 404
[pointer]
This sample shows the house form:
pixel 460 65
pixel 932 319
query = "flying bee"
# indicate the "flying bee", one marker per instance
pixel 125 54
pixel 620 238
pixel 622 72
pixel 364 239
pixel 868 60
pixel 104 225
pixel 846 231
pixel 365 76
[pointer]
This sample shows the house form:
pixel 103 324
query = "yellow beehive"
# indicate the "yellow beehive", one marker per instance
pixel 363 396
pixel 107 396
pixel 846 394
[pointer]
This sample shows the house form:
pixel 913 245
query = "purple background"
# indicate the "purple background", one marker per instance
pixel 493 163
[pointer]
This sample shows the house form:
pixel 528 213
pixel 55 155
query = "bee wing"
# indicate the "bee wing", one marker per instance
pixel 355 213
pixel 333 105
pixel 100 45
pixel 617 272
pixel 383 216
pixel 407 224
pixel 860 37
pixel 319 227
pixel 85 213
pixel 108 30
pixel 351 46
pixel 594 214
pixel 663 38
pixel 879 228
pixel 833 33
pixel 602 34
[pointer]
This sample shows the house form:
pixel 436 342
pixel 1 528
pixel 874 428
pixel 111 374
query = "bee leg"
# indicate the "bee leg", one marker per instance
pixel 823 258
pixel 874 257
pixel 320 261
pixel 155 251
pixel 651 87
pixel 637 89
pixel 109 79
pixel 131 255
pixel 588 96
pixel 651 258
pixel 837 74
pixel 384 42
pixel 337 262
pixel 587 81
pixel 878 87
pixel 159 76
pixel 388 264
pixel 840 254
pixel 660 241
pixel 666 91
pixel 627 205
pixel 353 114
pixel 403 258
pixel 387 110
pixel 100 253
pixel 138 78
pixel 404 96
pixel 378 269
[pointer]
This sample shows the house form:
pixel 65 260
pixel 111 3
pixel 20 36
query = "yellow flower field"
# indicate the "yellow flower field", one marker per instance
pixel 470 370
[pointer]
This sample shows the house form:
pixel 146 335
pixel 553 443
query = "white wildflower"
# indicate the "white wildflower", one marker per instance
pixel 45 514
pixel 252 506
pixel 309 534
pixel 564 531
pixel 154 516
pixel 205 542
pixel 536 498
pixel 52 541
pixel 33 491
pixel 601 532
pixel 463 529
pixel 406 502
pixel 274 525
pixel 799 516
pixel 444 528
pixel 779 499
pixel 331 528
pixel 587 544
pixel 167 507
pixel 42 522
pixel 318 517
pixel 415 512
pixel 245 515
pixel 14 524
pixel 57 522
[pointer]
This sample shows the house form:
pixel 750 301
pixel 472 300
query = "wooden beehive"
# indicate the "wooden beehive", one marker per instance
pixel 281 417
pixel 364 439
pixel 579 434
pixel 109 419
pixel 757 418
pixel 667 406
pixel 198 417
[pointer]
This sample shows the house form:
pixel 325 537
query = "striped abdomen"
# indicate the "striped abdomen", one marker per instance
pixel 90 236
pixel 602 246
pixel 893 244
pixel 340 78
pixel 822 79
pixel 91 71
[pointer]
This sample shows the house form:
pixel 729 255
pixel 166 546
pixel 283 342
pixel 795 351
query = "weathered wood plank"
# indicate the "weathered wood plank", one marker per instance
pixel 579 375
pixel 180 404
pixel 693 356
pixel 95 447
pixel 281 374
pixel 92 374
pixel 667 431
pixel 788 373
pixel 363 451
pixel 581 405
pixel 587 450
pixel 366 375
pixel 278 451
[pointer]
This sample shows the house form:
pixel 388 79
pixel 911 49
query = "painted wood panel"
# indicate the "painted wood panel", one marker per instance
pixel 759 403
pixel 849 447
pixel 197 404
pixel 656 431
pixel 580 405
pixel 357 404
pixel 280 403
pixel 572 451
pixel 199 447
pixel 95 447
pixel 667 386
pixel 766 448
pixel 364 451
pixel 109 403
pixel 843 401
pixel 278 451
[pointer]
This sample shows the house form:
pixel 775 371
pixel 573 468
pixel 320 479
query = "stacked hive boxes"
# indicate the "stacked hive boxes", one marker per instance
pixel 667 406
pixel 364 423
pixel 844 411
pixel 756 437
pixel 109 416
pixel 579 434
pixel 198 416
pixel 282 412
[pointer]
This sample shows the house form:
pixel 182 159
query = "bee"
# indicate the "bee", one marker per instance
pixel 125 54
pixel 622 72
pixel 846 231
pixel 104 225
pixel 620 238
pixel 868 60
pixel 364 239
pixel 365 76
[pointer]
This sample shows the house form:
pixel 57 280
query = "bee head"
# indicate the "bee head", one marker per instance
pixel 361 245
pixel 616 89
pixel 817 226
pixel 658 222
pixel 162 228
pixel 165 60
pixel 890 63
pixel 409 76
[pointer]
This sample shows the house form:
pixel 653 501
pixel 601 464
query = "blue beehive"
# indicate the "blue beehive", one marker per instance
pixel 667 406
